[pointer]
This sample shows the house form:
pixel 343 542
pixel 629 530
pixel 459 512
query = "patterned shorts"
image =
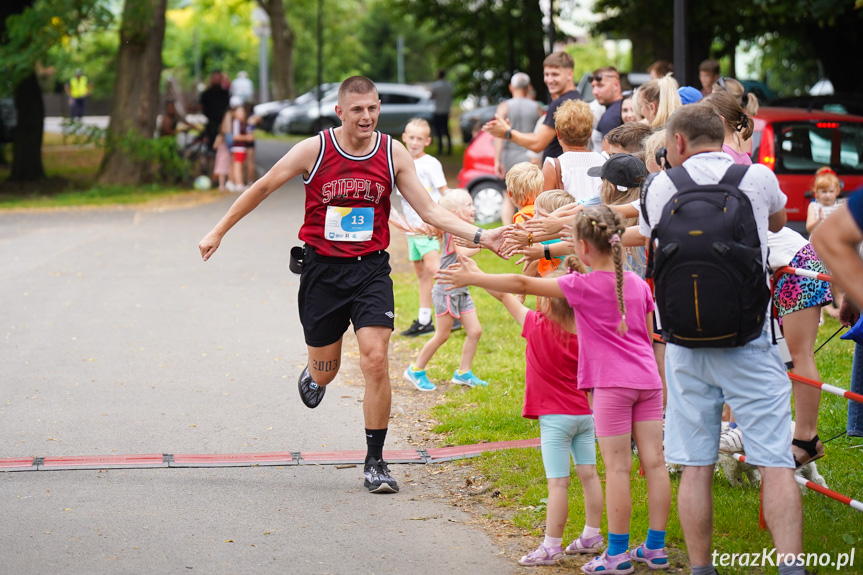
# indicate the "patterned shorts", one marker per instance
pixel 793 293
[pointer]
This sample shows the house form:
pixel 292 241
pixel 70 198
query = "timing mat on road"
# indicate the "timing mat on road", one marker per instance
pixel 282 458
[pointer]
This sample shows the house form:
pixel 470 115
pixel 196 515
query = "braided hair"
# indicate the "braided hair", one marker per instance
pixel 601 228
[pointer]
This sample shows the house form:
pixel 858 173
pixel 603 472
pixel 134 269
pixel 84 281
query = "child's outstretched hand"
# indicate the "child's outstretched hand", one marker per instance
pixel 458 275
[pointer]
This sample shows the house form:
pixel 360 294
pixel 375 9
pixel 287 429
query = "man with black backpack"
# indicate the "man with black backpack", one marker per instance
pixel 707 220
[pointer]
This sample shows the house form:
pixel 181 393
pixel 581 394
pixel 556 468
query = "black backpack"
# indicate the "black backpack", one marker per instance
pixel 705 258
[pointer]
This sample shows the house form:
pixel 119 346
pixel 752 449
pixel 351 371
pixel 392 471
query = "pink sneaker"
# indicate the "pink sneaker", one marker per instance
pixel 542 556
pixel 585 545
pixel 610 564
pixel 655 558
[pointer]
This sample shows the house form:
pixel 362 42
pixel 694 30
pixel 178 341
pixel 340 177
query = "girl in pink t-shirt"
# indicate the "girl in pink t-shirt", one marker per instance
pixel 614 317
pixel 551 395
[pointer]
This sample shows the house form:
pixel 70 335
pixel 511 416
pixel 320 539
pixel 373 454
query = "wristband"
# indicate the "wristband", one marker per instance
pixel 508 134
pixel 547 252
pixel 477 236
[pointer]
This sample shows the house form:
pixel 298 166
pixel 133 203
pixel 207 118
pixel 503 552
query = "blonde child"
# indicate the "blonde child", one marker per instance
pixel 614 317
pixel 826 191
pixel 423 248
pixel 551 395
pixel 523 184
pixel 658 99
pixel 451 305
pixel 540 258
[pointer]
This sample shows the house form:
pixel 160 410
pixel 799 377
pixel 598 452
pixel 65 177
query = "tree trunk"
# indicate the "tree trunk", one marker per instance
pixel 283 49
pixel 27 142
pixel 531 28
pixel 136 91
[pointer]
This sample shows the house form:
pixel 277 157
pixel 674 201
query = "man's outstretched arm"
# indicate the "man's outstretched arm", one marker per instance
pixel 299 159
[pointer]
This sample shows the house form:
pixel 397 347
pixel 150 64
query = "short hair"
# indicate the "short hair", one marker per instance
pixel 420 124
pixel 732 113
pixel 559 60
pixel 699 123
pixel 452 200
pixel 607 70
pixel 519 80
pixel 524 181
pixel 629 136
pixel 709 65
pixel 551 200
pixel 662 91
pixel 357 85
pixel 441 73
pixel 573 121
pixel 661 68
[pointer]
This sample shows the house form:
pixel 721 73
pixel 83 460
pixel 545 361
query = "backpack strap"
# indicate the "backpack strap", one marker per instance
pixel 681 179
pixel 734 175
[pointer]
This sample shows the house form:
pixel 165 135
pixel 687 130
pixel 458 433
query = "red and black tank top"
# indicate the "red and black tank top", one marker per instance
pixel 348 199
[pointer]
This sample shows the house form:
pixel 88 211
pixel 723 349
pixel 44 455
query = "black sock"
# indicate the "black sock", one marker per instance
pixel 375 439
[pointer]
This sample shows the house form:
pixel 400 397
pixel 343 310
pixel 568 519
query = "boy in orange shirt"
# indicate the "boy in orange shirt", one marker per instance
pixel 523 184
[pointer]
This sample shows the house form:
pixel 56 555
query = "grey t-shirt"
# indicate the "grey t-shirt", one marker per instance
pixel 441 93
pixel 522 114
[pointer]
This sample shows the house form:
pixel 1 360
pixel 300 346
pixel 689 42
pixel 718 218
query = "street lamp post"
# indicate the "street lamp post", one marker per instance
pixel 261 26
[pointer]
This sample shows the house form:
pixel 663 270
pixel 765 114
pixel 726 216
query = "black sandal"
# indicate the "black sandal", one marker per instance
pixel 811 449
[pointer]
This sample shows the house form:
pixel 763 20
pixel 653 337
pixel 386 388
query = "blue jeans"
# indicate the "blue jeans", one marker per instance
pixel 855 409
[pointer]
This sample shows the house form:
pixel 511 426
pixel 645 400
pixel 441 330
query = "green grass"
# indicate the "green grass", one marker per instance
pixel 95 196
pixel 468 416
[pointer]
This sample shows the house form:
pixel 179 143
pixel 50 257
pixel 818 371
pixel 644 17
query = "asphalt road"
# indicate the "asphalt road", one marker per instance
pixel 116 339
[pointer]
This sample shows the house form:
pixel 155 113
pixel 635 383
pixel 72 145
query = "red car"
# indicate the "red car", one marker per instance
pixel 793 142
pixel 477 177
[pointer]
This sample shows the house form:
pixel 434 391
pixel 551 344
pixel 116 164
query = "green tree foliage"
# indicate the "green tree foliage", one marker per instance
pixel 483 42
pixel 218 32
pixel 33 34
pixel 825 29
pixel 379 33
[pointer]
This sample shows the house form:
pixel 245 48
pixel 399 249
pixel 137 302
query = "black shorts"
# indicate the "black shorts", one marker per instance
pixel 335 292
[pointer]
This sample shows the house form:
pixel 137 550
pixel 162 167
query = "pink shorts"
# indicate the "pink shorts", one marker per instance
pixel 615 408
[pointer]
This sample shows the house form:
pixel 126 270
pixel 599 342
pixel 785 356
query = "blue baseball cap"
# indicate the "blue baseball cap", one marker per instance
pixel 689 95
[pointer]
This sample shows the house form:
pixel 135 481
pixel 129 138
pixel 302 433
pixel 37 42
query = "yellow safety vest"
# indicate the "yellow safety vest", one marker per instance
pixel 78 86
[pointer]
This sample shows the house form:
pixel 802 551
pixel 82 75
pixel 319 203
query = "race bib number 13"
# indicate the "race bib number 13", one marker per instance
pixel 349 224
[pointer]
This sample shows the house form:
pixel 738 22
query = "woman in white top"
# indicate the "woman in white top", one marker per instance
pixel 573 123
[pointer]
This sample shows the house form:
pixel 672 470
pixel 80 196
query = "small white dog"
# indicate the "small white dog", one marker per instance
pixel 731 441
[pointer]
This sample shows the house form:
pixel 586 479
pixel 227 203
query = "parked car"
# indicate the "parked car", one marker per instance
pixel 269 111
pixel 838 103
pixel 399 104
pixel 473 120
pixel 477 176
pixel 795 142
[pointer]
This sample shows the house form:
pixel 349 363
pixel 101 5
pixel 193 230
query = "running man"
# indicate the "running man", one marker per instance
pixel 349 173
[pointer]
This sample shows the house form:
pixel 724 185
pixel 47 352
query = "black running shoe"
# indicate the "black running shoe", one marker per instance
pixel 418 328
pixel 378 478
pixel 310 392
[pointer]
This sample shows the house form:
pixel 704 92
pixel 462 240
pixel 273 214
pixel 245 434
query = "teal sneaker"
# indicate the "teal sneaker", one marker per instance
pixel 468 378
pixel 419 379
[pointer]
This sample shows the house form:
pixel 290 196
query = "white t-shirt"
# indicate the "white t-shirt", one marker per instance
pixel 431 176
pixel 759 184
pixel 783 245
pixel 573 170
